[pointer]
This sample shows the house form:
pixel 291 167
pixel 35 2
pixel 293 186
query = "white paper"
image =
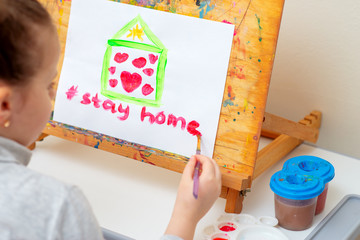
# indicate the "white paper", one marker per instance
pixel 197 54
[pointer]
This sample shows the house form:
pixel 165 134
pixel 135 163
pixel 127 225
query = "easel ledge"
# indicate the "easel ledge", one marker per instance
pixel 235 185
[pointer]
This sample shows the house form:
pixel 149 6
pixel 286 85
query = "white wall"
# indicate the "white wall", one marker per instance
pixel 317 67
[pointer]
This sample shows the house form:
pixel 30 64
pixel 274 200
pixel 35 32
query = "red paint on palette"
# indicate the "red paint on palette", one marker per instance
pixel 121 57
pixel 153 58
pixel 139 62
pixel 147 89
pixel 148 71
pixel 112 70
pixel 220 238
pixel 227 228
pixel 113 83
pixel 129 81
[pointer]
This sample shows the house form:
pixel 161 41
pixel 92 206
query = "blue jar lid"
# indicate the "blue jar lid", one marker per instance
pixel 296 186
pixel 312 166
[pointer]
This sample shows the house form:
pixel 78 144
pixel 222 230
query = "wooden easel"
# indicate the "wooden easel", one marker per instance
pixel 242 119
pixel 287 136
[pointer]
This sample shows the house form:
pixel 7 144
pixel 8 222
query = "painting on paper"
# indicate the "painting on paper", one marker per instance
pixel 143 76
pixel 134 69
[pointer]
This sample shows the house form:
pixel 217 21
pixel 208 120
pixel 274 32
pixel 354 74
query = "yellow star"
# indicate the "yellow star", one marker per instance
pixel 136 32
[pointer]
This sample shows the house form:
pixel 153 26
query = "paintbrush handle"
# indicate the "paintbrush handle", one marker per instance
pixel 196 180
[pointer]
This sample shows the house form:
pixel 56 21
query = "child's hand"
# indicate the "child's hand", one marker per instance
pixel 188 210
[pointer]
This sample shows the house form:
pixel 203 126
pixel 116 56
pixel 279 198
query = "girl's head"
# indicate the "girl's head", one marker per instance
pixel 29 52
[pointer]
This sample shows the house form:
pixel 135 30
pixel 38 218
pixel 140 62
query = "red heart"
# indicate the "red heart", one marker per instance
pixel 129 81
pixel 112 70
pixel 147 89
pixel 148 71
pixel 121 57
pixel 113 82
pixel 153 58
pixel 139 62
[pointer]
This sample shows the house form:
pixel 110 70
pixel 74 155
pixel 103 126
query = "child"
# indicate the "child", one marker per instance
pixel 34 206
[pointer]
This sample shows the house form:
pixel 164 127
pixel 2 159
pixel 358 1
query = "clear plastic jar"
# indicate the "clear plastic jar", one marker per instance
pixel 295 199
pixel 293 214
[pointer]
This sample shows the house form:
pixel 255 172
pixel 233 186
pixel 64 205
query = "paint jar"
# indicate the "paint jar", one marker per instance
pixel 313 166
pixel 295 197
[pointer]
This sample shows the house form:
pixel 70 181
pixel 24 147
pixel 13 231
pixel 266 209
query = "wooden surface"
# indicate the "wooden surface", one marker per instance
pixel 290 128
pixel 282 145
pixel 257 25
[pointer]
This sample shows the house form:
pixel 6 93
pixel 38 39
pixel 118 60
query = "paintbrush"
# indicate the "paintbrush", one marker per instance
pixel 197 169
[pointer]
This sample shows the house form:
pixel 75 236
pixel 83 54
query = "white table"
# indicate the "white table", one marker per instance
pixel 136 199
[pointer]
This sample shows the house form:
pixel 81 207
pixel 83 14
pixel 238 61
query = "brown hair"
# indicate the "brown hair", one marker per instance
pixel 19 47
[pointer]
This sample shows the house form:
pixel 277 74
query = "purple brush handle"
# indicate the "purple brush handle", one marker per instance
pixel 196 180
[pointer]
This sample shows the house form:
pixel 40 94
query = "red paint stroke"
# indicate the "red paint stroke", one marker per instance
pixel 96 101
pixel 153 58
pixel 231 94
pixel 238 72
pixel 220 238
pixel 121 57
pixel 144 158
pixel 145 114
pixel 225 21
pixel 108 104
pixel 147 89
pixel 139 62
pixel 86 99
pixel 174 120
pixel 191 128
pixel 126 111
pixel 160 118
pixel 129 81
pixel 71 92
pixel 113 83
pixel 112 70
pixel 148 71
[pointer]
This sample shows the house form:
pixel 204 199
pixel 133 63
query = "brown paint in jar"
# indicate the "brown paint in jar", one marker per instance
pixel 293 214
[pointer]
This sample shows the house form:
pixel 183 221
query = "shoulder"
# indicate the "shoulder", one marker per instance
pixel 16 178
pixel 23 187
pixel 45 205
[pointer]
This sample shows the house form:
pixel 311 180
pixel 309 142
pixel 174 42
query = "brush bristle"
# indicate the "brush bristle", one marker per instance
pixel 198 147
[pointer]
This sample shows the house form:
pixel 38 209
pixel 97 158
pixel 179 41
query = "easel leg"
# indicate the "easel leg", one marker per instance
pixel 40 138
pixel 234 201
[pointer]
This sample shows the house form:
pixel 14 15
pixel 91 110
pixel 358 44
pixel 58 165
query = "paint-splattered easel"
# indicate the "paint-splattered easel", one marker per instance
pixel 243 118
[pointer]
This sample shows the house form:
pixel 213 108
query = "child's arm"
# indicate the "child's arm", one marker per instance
pixel 188 210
